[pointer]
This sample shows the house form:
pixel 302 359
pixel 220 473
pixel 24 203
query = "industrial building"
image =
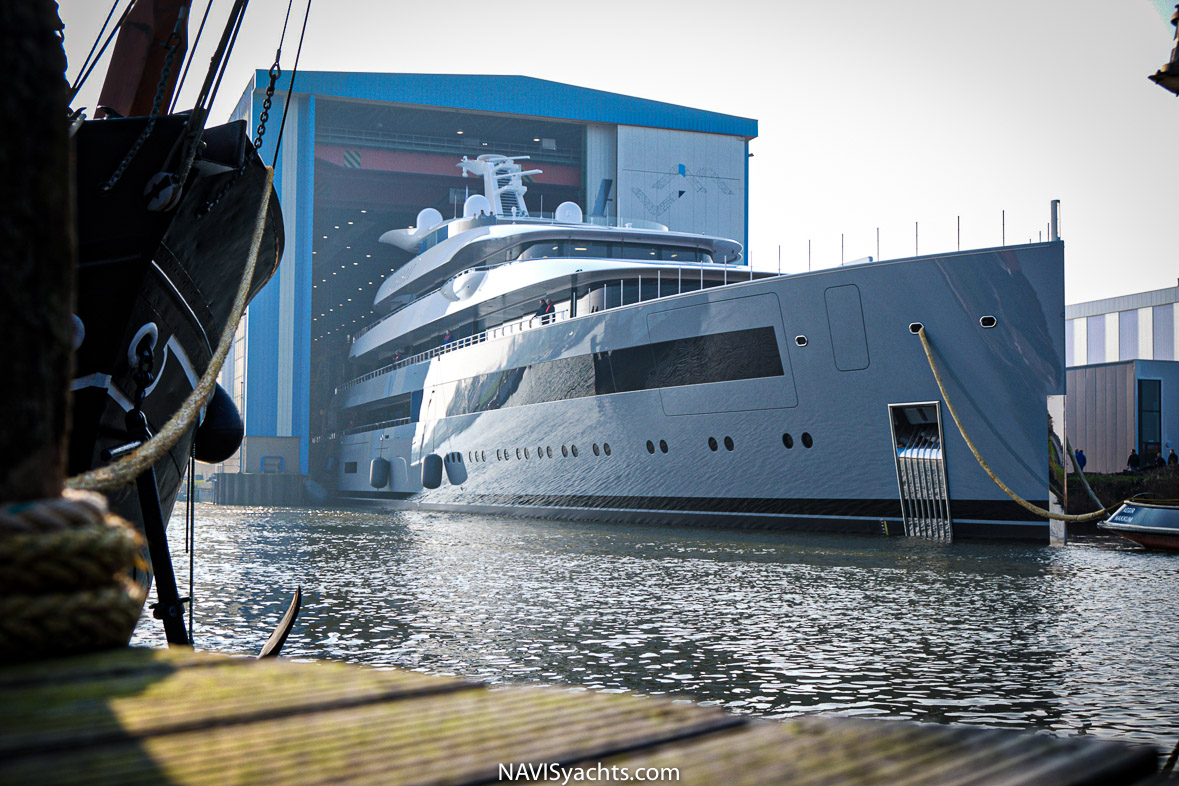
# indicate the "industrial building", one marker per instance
pixel 1123 377
pixel 362 153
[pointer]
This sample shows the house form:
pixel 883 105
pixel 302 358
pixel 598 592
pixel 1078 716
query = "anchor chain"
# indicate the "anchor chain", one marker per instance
pixel 275 72
pixel 172 42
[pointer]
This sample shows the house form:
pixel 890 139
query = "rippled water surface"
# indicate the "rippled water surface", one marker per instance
pixel 1079 640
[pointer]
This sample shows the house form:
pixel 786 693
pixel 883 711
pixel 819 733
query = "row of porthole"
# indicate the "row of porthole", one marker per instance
pixel 807 440
pixel 541 452
pixel 505 454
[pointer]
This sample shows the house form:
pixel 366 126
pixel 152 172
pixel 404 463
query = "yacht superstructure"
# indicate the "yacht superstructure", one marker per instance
pixel 615 370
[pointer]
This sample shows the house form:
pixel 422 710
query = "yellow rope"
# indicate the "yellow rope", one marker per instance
pixel 127 469
pixel 982 462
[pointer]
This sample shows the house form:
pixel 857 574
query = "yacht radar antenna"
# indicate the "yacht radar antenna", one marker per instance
pixel 503 183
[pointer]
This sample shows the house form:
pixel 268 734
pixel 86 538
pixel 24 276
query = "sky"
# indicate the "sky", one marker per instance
pixel 932 123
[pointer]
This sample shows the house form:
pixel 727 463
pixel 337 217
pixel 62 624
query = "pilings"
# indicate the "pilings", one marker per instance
pixel 36 253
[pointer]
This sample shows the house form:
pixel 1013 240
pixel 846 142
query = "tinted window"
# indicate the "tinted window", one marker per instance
pixel 719 357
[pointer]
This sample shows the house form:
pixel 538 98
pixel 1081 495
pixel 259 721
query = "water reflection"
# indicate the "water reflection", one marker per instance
pixel 1075 640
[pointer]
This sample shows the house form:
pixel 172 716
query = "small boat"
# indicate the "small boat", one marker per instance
pixel 1149 524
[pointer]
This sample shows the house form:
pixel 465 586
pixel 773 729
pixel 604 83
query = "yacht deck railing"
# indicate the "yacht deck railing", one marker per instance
pixel 500 331
pixel 375 426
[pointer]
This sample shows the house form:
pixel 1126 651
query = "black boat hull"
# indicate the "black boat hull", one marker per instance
pixel 168 278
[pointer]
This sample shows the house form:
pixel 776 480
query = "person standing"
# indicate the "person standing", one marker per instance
pixel 1081 460
pixel 1132 461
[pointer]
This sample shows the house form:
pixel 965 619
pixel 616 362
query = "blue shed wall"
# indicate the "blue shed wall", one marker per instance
pixel 520 95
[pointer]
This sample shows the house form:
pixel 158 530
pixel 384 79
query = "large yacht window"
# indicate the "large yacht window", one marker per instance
pixel 581 248
pixel 596 250
pixel 544 250
pixel 719 357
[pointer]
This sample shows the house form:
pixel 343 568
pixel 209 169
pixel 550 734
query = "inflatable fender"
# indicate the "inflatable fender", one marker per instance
pixel 432 471
pixel 220 433
pixel 378 473
pixel 456 470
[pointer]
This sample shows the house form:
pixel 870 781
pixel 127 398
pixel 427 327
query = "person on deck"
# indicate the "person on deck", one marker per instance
pixel 544 312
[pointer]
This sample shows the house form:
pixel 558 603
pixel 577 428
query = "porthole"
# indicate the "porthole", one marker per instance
pixel 540 452
pixel 650 447
pixel 988 321
pixel 483 455
pixel 499 455
pixel 915 327
pixel 565 451
pixel 806 439
pixel 728 443
pixel 517 452
pixel 573 448
pixel 788 441
pixel 606 448
pixel 663 446
pixel 800 340
pixel 712 443
pixel 526 454
pixel 549 452
pixel 596 451
pixel 507 454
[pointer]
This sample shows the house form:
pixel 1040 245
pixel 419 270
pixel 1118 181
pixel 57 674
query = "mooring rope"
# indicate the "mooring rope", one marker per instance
pixel 1100 514
pixel 65 584
pixel 1081 475
pixel 136 463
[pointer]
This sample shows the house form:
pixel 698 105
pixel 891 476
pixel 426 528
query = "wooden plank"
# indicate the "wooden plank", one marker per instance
pixel 821 750
pixel 117 703
pixel 150 716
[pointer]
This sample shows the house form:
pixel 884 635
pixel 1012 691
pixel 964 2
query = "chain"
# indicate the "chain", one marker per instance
pixel 275 73
pixel 172 42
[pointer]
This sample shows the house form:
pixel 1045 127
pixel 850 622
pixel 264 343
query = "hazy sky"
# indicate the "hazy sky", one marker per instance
pixel 872 113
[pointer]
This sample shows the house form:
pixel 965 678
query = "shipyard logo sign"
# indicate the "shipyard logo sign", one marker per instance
pixel 679 181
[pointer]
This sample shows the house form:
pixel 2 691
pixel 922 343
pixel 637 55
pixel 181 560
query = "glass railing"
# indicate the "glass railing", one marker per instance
pixel 500 331
pixel 529 323
pixel 375 426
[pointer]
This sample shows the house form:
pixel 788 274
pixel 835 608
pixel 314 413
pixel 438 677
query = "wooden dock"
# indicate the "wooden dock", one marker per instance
pixel 176 716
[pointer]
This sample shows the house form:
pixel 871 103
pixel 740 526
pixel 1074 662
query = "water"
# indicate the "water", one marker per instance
pixel 1079 640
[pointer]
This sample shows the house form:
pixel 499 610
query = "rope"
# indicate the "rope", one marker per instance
pixel 291 83
pixel 97 41
pixel 191 54
pixel 1081 475
pixel 132 466
pixel 65 583
pixel 1100 514
pixel 81 80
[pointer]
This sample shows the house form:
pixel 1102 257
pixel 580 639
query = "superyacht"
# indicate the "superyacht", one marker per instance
pixel 573 367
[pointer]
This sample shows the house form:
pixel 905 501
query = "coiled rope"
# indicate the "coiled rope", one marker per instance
pixel 1100 514
pixel 65 584
pixel 133 465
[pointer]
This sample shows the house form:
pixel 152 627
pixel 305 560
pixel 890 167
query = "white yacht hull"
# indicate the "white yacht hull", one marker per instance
pixel 836 389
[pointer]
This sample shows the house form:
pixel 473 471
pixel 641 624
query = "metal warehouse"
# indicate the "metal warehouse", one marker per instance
pixel 362 153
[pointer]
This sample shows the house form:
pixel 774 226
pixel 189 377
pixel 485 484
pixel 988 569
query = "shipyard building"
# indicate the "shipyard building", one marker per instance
pixel 362 153
pixel 1123 377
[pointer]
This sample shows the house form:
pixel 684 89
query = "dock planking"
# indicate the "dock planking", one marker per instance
pixel 177 716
